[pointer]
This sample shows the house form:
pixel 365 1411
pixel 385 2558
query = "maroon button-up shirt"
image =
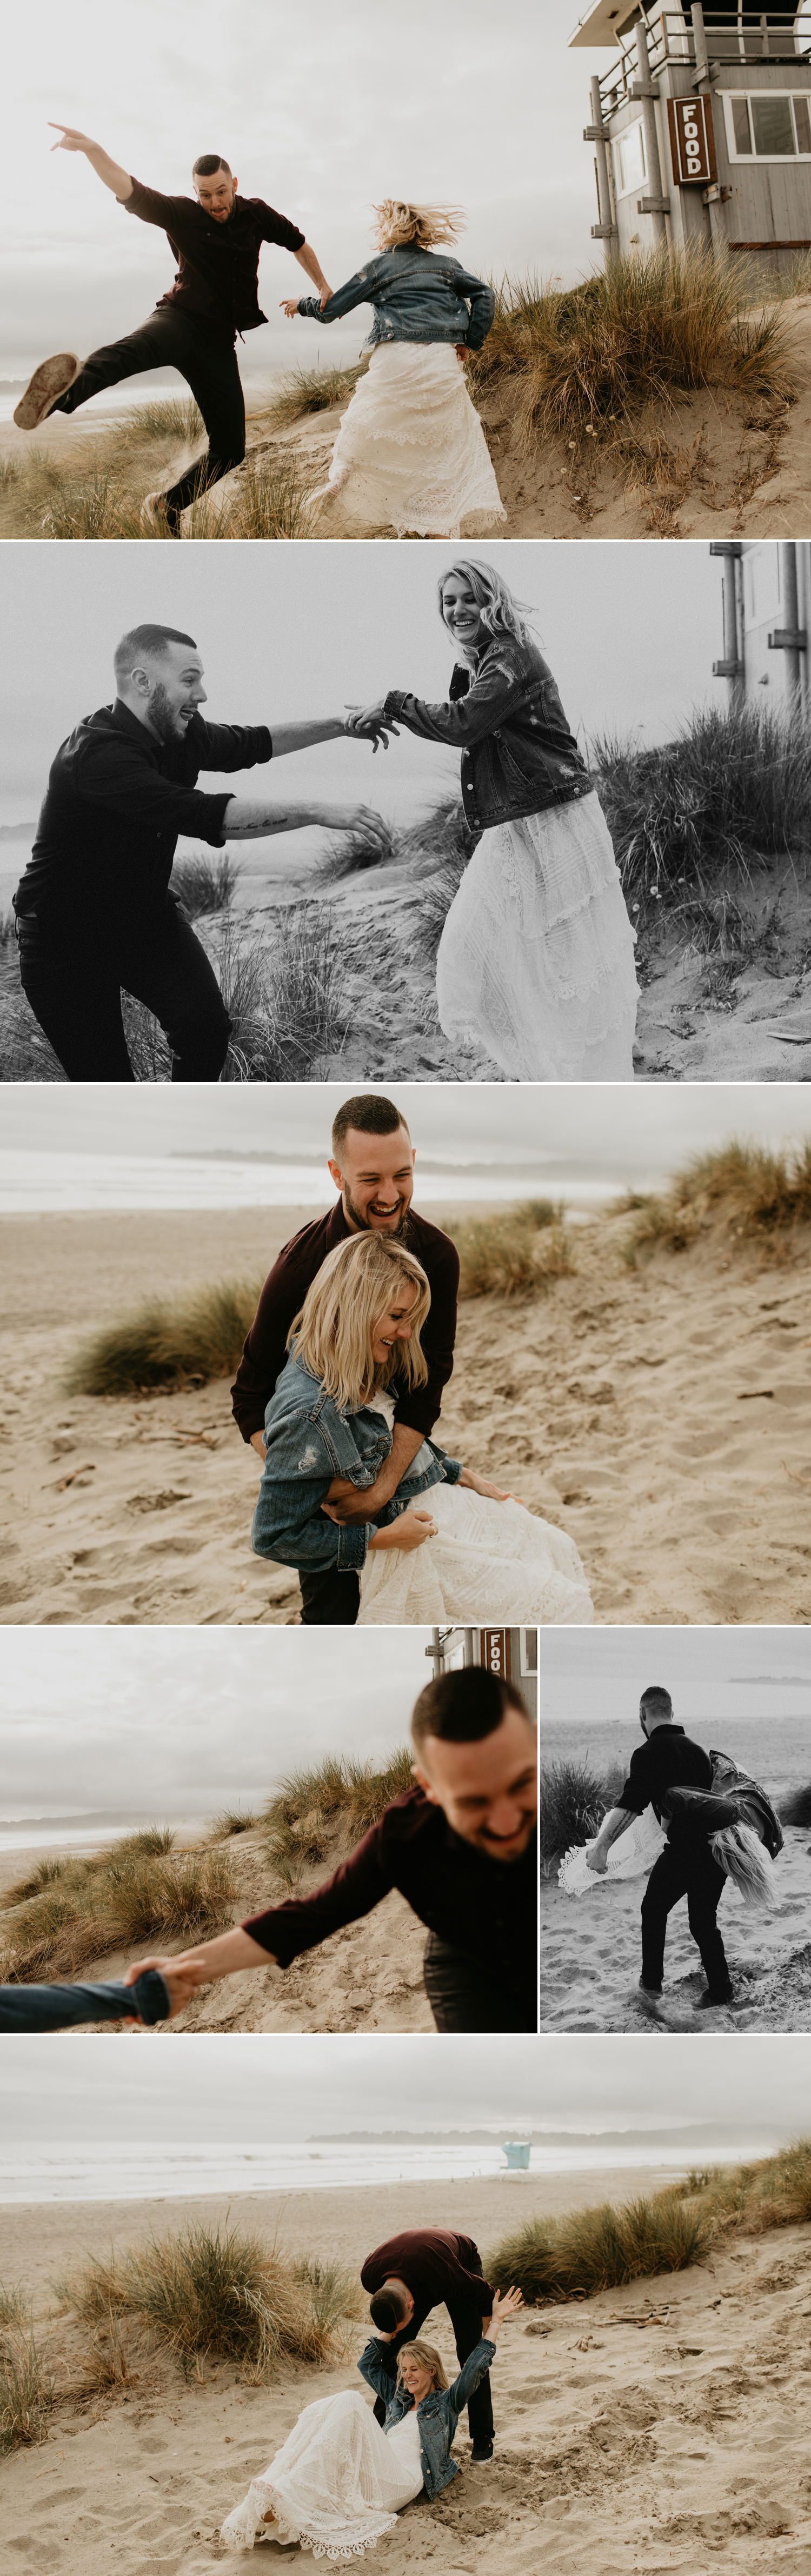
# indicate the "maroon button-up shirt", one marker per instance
pixel 217 264
pixel 285 1289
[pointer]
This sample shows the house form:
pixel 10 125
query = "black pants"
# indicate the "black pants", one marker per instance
pixel 463 1997
pixel 466 2321
pixel 77 1000
pixel 688 1871
pixel 329 1599
pixel 207 358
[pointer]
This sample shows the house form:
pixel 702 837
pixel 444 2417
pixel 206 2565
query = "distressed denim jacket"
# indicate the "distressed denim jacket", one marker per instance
pixel 308 1442
pixel 437 2415
pixel 415 295
pixel 518 755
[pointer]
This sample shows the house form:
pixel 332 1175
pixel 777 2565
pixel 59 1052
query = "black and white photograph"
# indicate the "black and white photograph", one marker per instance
pixel 574 847
pixel 405 1230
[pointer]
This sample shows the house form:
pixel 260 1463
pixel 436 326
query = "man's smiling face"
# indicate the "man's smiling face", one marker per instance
pixel 487 1790
pixel 375 1176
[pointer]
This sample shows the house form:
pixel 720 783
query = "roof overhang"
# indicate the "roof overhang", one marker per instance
pixel 601 24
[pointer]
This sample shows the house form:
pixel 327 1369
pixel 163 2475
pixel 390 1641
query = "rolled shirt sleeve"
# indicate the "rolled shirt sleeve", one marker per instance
pixel 302 1922
pixel 111 773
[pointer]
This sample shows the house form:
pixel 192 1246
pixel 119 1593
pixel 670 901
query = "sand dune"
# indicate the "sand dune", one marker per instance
pixel 662 1417
pixel 591 1957
pixel 656 2426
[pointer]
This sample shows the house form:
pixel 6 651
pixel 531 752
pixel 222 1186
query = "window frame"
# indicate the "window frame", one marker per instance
pixel 636 125
pixel 762 160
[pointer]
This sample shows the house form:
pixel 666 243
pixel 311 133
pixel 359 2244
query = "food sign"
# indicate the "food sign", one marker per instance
pixel 692 144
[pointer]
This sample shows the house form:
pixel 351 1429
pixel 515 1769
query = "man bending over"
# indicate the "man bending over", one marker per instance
pixel 95 911
pixel 215 237
pixel 461 1847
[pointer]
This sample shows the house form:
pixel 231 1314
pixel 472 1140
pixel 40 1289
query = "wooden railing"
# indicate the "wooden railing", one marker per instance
pixel 673 37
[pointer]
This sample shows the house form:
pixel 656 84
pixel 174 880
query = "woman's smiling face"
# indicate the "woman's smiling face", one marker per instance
pixel 393 1325
pixel 416 2379
pixel 462 613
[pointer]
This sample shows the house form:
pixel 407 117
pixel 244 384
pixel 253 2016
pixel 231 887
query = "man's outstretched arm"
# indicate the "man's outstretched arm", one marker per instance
pixel 70 140
pixel 203 1966
pixel 308 260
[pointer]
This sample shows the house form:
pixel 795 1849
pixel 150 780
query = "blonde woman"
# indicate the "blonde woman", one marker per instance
pixel 411 452
pixel 449 1544
pixel 536 959
pixel 340 2479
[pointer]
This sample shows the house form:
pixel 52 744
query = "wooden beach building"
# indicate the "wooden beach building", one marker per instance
pixel 766 593
pixel 512 1653
pixel 701 128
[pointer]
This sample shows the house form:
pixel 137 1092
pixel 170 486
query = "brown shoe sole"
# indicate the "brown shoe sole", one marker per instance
pixel 47 383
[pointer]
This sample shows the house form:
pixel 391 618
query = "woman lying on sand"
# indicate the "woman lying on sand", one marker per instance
pixel 411 451
pixel 472 1551
pixel 340 2480
pixel 536 959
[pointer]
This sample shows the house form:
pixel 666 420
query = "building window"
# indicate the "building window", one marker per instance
pixel 767 125
pixel 528 1638
pixel 629 155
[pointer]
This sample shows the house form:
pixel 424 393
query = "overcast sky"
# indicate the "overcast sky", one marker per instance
pixel 296 631
pixel 233 2088
pixel 564 1129
pixel 174 1721
pixel 590 1674
pixel 321 111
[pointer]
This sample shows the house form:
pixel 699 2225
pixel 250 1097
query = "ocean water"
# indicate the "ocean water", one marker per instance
pixel 773 1744
pixel 161 2173
pixel 39 1182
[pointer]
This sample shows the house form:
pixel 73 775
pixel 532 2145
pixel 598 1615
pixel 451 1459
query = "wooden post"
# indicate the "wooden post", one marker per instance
pixel 702 57
pixel 651 135
pixel 604 200
pixel 791 621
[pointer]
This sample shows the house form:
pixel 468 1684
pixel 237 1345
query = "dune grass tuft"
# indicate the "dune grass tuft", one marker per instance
pixel 209 2289
pixel 755 1194
pixel 517 1252
pixel 231 1821
pixel 732 790
pixel 204 882
pixel 309 390
pixel 168 1343
pixel 26 2387
pixel 602 2247
pixel 302 1817
pixel 571 1807
pixel 120 1896
pixel 648 326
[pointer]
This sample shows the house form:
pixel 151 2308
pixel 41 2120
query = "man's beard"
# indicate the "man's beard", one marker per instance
pixel 166 723
pixel 364 1222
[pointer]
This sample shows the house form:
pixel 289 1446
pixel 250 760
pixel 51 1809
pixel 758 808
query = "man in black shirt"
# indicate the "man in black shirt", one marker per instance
pixel 94 908
pixel 215 238
pixel 424 2268
pixel 667 1760
pixel 461 1846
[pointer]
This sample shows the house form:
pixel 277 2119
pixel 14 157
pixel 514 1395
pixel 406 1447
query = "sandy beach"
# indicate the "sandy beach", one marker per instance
pixel 656 2426
pixel 661 1416
pixel 591 1957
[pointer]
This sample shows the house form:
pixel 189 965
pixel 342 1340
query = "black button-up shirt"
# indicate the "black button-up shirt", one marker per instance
pixel 435 2265
pixel 285 1289
pixel 115 804
pixel 668 1760
pixel 217 264
pixel 487 1908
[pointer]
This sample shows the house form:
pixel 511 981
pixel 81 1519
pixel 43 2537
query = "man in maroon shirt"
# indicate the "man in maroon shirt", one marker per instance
pixel 425 2268
pixel 372 1165
pixel 216 238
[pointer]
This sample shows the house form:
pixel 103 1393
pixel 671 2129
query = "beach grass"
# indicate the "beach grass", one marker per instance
pixel 308 390
pixel 120 1896
pixel 732 791
pixel 204 882
pixel 571 1807
pixel 302 1817
pixel 230 1822
pixel 179 1342
pixel 204 2289
pixel 99 494
pixel 515 1253
pixel 583 361
pixel 602 2247
pixel 26 2387
pixel 752 1193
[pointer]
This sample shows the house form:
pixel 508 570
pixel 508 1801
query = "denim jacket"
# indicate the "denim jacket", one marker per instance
pixel 518 755
pixel 415 295
pixel 308 1441
pixel 437 2415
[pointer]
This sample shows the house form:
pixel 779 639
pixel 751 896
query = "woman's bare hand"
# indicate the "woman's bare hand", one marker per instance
pixel 504 2305
pixel 482 1485
pixel 69 139
pixel 289 305
pixel 462 352
pixel 411 1530
pixel 371 722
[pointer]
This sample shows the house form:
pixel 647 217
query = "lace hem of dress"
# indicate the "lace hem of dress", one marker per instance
pixel 246 2525
pixel 587 989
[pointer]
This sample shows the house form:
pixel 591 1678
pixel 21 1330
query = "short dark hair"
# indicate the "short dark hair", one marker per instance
pixel 146 640
pixel 207 163
pixel 657 1700
pixel 387 2311
pixel 461 1708
pixel 368 1111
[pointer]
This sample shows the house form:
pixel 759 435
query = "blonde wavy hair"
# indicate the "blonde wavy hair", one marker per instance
pixel 397 223
pixel 427 2357
pixel 502 613
pixel 333 1329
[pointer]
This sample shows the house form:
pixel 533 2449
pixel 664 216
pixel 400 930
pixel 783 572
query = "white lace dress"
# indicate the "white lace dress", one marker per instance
pixel 337 2484
pixel 411 452
pixel 489 1561
pixel 536 959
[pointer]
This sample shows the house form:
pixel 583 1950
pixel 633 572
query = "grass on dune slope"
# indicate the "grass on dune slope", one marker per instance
pixel 302 1818
pixel 755 1195
pixel 598 2248
pixel 71 1912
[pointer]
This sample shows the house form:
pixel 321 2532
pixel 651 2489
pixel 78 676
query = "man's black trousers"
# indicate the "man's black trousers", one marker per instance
pixel 463 1996
pixel 76 998
pixel 329 1599
pixel 687 1870
pixel 207 357
pixel 466 2320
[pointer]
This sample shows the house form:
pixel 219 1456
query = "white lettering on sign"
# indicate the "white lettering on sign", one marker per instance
pixel 691 139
